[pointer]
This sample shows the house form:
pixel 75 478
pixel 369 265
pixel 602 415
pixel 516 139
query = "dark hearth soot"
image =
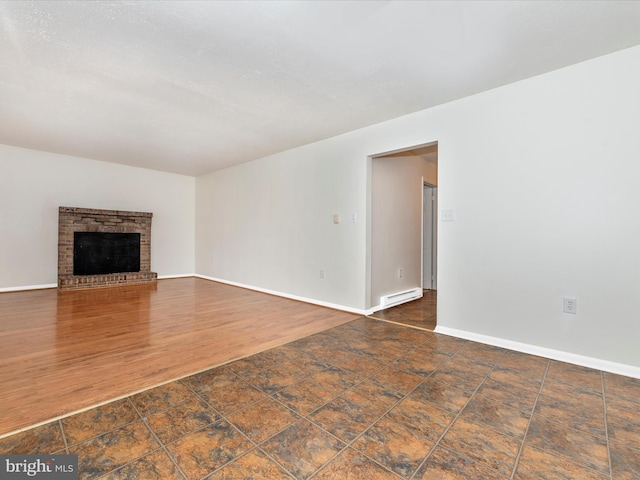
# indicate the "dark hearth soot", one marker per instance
pixel 96 253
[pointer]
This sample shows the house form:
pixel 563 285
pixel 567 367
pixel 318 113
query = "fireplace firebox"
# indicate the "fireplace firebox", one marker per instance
pixel 99 248
pixel 96 253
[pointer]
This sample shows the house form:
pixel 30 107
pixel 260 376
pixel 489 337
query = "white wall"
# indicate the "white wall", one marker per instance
pixel 34 184
pixel 269 224
pixel 542 176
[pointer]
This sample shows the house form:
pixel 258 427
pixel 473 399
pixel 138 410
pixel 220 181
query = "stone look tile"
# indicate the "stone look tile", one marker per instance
pixel 500 417
pixel 539 465
pixel 582 413
pixel 575 445
pixel 623 421
pixel 422 361
pixel 625 462
pixel 271 380
pixel 621 405
pixel 263 419
pixel 419 313
pixel 395 446
pixel 388 350
pixel 97 421
pixel 39 440
pixel 343 418
pixel 182 419
pixel 506 394
pixel 310 367
pixel 313 344
pixel 563 378
pixel 481 353
pixel 352 465
pixel 524 362
pixel 289 353
pixel 335 380
pixel 519 377
pixel 624 427
pixel 397 379
pixel 468 380
pixel 460 363
pixel 254 465
pixel 444 464
pixel 302 448
pixel 361 365
pixel 373 397
pixel 483 445
pixel 208 449
pixel 233 398
pixel 114 449
pixel 161 398
pixel 445 344
pixel 422 417
pixel 442 395
pixel 253 364
pixel 304 397
pixel 624 387
pixel 209 380
pixel 153 466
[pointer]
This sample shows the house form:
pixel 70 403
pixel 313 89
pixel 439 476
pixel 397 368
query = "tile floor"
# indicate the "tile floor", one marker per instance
pixel 419 313
pixel 365 400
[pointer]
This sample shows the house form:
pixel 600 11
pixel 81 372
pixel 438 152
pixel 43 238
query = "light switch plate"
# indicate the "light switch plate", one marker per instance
pixel 446 215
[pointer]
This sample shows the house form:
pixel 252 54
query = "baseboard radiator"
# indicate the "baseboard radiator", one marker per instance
pixel 393 299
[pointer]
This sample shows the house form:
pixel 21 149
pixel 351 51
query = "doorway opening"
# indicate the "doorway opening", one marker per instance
pixel 403 236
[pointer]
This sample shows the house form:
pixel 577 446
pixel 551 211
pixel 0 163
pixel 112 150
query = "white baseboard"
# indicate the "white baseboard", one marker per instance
pixel 286 295
pixel 182 275
pixel 28 287
pixel 591 362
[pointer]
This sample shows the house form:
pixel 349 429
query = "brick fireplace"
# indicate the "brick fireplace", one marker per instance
pixel 72 220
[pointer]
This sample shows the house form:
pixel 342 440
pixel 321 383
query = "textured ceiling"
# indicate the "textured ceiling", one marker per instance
pixel 190 87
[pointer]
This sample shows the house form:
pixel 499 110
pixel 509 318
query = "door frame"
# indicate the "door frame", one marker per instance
pixel 433 233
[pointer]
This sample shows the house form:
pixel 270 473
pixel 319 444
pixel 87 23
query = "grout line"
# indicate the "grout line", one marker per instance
pixel 378 418
pixel 533 409
pixel 162 445
pixel 446 430
pixel 64 437
pixel 117 427
pixel 348 444
pixel 606 427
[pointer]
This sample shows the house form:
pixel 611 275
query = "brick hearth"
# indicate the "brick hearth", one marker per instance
pixel 72 219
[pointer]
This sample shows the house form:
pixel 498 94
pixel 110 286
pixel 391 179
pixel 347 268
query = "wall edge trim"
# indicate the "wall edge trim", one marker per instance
pixel 312 301
pixel 574 358
pixel 28 287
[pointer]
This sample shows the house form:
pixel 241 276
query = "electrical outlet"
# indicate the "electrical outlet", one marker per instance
pixel 400 273
pixel 322 273
pixel 570 305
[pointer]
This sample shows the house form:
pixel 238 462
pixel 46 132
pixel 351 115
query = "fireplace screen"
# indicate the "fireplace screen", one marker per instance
pixel 96 253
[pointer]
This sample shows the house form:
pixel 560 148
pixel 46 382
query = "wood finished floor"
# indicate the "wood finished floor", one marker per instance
pixel 65 351
pixel 419 313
